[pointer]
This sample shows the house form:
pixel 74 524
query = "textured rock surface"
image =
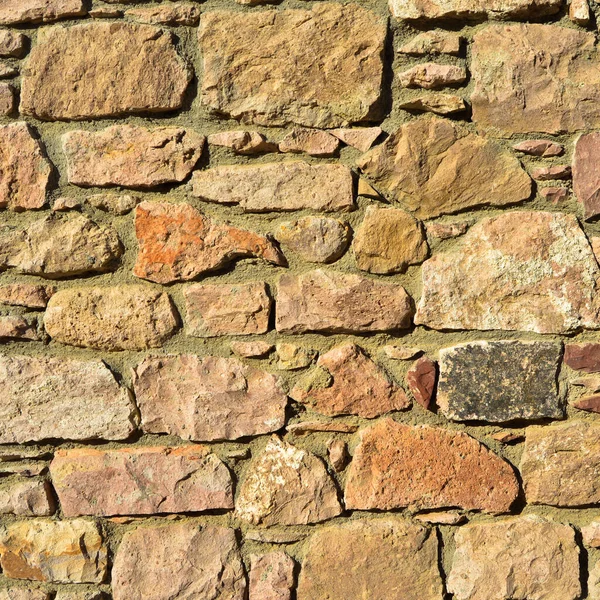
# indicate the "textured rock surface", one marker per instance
pixel 500 381
pixel 281 186
pixel 26 498
pixel 361 138
pixel 583 357
pixel 398 466
pixel 586 181
pixel 44 398
pixel 146 480
pixel 291 357
pixel 286 485
pixel 222 309
pixel 472 9
pixel 242 142
pixel 28 295
pixel 529 271
pixel 23 593
pixel 179 560
pixel 70 551
pixel 514 74
pixel 543 148
pixel 13 44
pixel 376 559
pixel 432 76
pixel 335 302
pixel 421 380
pixel 432 42
pixel 525 557
pixel 17 327
pixel 388 241
pixel 126 317
pixel 177 13
pixel 24 169
pixel 177 243
pixel 309 141
pixel 207 398
pixel 437 103
pixel 559 464
pixel 131 156
pixel 271 576
pixel 56 247
pixel 355 385
pixel 35 11
pixel 315 239
pixel 104 72
pixel 338 82
pixel 432 167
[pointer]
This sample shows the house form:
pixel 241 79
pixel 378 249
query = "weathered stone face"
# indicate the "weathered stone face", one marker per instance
pixel 45 398
pixel 334 302
pixel 271 576
pixel 146 480
pixel 24 169
pixel 56 247
pixel 388 241
pixel 126 317
pixel 177 560
pixel 421 380
pixel 377 559
pixel 207 398
pixel 70 551
pixel 500 381
pixel 177 243
pixel 315 239
pixel 227 309
pixel 35 11
pixel 286 485
pixel 527 271
pixel 559 464
pixel 583 357
pixel 432 167
pixel 309 141
pixel 473 9
pixel 432 42
pixel 354 385
pixel 22 593
pixel 26 498
pixel 177 13
pixel 131 156
pixel 256 67
pixel 28 295
pixel 104 72
pixel 586 181
pixel 398 466
pixel 525 557
pixel 281 186
pixel 535 78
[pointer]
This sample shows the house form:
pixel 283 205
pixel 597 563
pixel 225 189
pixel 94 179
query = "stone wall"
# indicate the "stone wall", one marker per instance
pixel 299 301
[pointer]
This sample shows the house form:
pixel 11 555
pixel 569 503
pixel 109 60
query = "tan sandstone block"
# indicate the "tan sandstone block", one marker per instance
pixel 35 11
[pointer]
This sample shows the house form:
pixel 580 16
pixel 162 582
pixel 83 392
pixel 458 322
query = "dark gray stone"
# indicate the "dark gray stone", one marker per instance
pixel 500 381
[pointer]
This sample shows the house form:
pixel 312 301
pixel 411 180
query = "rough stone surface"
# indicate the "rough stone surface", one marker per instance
pixel 555 194
pixel 44 398
pixel 591 534
pixel 526 557
pixel 543 148
pixel 447 231
pixel 12 44
pixel 119 204
pixel 432 42
pixel 131 156
pixel 256 349
pixel 388 241
pixel 7 99
pixel 500 381
pixel 28 295
pixel 334 302
pixel 104 73
pixel 579 12
pixel 354 385
pixel 35 11
pixel 433 167
pixel 227 309
pixel 515 74
pixel 588 403
pixel 271 576
pixel 377 559
pixel 473 9
pixel 315 239
pixel 559 464
pixel 309 141
pixel 207 398
pixel 583 357
pixel 176 13
pixel 146 480
pixel 361 138
pixel 291 356
pixel 8 71
pixel 421 379
pixel 179 560
pixel 337 452
pixel 338 82
pixel 70 551
pixel 17 327
pixel 401 352
pixel 286 485
pixel 24 169
pixel 125 317
pixel 59 247
pixel 26 498
pixel 552 173
pixel 439 104
pixel 432 76
pixel 528 271
pixel 242 142
pixel 176 242
pixel 23 593
pixel 398 466
pixel 586 180
pixel 281 186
